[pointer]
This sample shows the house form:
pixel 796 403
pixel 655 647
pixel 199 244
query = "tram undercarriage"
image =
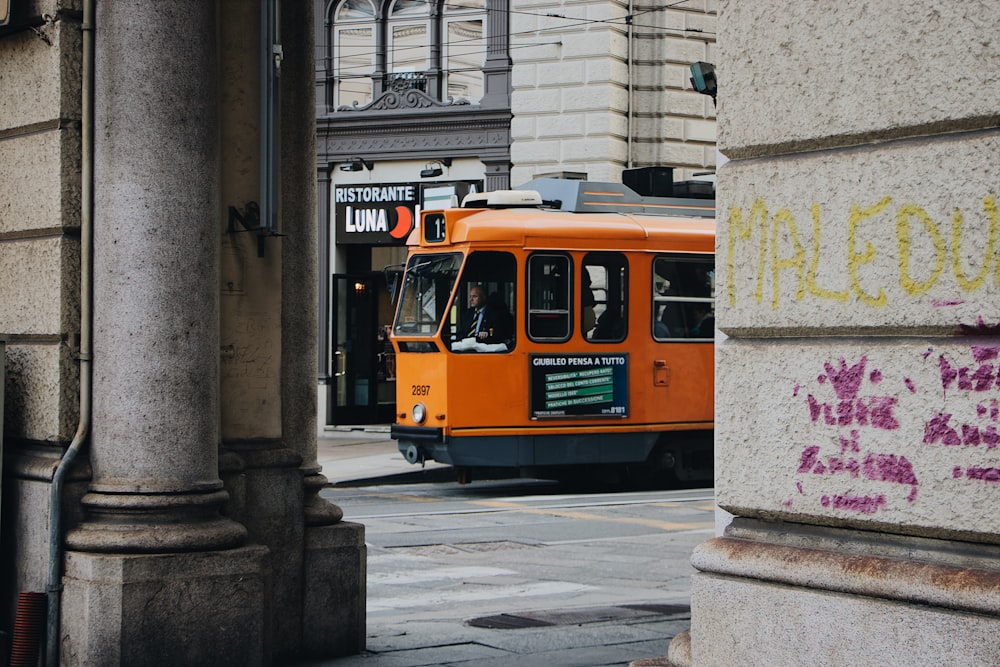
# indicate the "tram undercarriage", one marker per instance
pixel 681 457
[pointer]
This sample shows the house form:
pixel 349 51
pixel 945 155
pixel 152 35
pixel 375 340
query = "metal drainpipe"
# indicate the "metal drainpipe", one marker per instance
pixel 628 69
pixel 86 310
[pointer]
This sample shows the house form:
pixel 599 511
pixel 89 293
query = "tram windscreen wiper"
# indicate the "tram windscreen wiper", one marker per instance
pixel 425 267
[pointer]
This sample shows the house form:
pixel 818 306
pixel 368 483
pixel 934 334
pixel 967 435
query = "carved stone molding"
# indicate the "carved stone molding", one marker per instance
pixel 407 99
pixel 380 136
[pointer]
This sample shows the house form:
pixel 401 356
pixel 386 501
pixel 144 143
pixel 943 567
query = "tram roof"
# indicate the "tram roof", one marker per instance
pixel 639 226
pixel 597 197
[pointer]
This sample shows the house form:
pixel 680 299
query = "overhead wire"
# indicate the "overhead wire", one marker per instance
pixel 365 69
pixel 623 21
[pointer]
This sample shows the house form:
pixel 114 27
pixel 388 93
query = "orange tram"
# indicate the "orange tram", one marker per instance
pixel 591 340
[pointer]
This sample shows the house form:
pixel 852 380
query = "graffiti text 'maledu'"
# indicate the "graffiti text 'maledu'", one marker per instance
pixel 781 253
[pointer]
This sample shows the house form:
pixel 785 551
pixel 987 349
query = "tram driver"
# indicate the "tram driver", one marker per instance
pixel 487 319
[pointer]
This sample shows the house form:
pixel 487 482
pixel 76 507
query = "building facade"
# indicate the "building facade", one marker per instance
pixel 157 196
pixel 420 103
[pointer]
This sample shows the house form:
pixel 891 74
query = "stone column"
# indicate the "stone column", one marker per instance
pixel 156 321
pixel 497 173
pixel 496 69
pixel 857 418
pixel 333 609
pixel 154 575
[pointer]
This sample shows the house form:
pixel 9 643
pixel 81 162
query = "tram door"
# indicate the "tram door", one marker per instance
pixel 361 358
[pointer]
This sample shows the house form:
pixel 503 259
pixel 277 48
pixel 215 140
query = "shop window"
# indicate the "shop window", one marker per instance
pixel 683 298
pixel 549 296
pixel 604 297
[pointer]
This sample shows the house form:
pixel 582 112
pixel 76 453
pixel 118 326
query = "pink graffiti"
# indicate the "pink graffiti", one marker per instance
pixel 983 353
pixel 846 381
pixel 992 409
pixel 939 430
pixel 849 445
pixel 942 304
pixel 860 504
pixel 981 474
pixel 798 485
pixel 982 378
pixel 948 374
pixel 889 468
pixel 808 459
pixel 909 385
pixel 874 467
pixel 875 377
pixel 979 329
pixel 878 411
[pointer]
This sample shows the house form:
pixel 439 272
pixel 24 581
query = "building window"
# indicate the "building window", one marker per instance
pixel 409 36
pixel 464 49
pixel 354 52
pixel 436 47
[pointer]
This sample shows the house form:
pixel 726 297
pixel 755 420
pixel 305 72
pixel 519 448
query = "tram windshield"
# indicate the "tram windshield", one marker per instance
pixel 427 287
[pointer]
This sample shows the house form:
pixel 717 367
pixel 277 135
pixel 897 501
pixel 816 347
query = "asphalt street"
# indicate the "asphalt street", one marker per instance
pixel 511 572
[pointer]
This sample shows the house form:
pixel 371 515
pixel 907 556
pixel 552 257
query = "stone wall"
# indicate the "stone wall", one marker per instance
pixel 40 263
pixel 857 396
pixel 186 487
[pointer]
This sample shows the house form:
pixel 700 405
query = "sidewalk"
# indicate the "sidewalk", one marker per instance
pixel 350 454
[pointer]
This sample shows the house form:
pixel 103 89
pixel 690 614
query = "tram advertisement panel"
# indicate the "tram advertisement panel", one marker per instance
pixel 578 385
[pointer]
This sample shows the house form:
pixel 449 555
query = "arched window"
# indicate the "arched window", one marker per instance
pixel 435 46
pixel 409 33
pixel 409 36
pixel 464 49
pixel 354 52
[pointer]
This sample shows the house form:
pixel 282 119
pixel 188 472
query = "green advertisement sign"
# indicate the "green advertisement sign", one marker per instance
pixel 578 385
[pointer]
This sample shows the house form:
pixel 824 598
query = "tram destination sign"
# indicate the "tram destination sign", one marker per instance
pixel 578 385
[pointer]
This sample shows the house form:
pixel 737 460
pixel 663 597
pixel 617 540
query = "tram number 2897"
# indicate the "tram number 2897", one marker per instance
pixel 565 324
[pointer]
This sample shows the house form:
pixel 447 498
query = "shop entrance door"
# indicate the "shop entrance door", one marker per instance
pixel 363 364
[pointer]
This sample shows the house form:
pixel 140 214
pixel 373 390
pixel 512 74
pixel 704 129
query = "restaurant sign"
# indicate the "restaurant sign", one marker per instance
pixel 377 214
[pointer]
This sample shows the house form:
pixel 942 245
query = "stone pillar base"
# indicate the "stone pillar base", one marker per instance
pixel 336 568
pixel 748 622
pixel 201 608
pixel 786 595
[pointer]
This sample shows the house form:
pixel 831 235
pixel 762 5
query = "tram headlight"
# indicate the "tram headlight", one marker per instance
pixel 419 413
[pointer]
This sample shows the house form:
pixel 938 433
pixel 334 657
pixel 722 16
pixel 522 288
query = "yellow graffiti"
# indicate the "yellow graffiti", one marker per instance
pixel 780 244
pixel 814 289
pixel 906 212
pixel 957 220
pixel 798 261
pixel 855 258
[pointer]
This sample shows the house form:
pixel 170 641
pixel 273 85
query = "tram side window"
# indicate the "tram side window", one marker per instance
pixel 549 295
pixel 604 297
pixel 683 298
pixel 493 277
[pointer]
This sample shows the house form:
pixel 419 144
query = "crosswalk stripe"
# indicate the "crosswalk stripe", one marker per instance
pixel 436 574
pixel 430 598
